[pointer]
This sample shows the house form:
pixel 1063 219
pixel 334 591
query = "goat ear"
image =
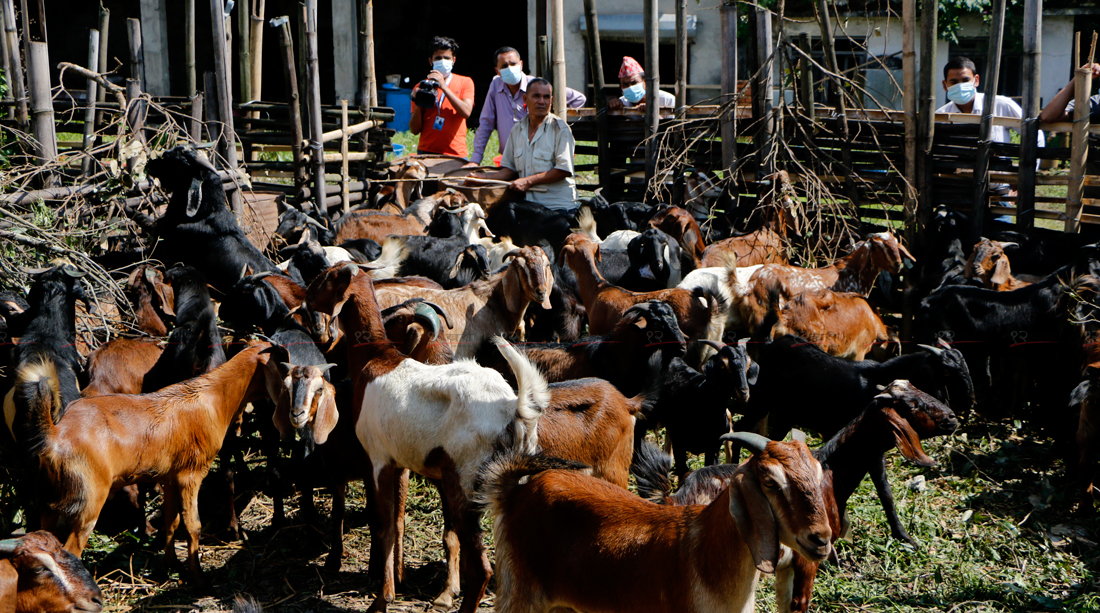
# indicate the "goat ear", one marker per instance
pixel 753 373
pixel 194 197
pixel 167 297
pixel 1001 272
pixel 907 440
pixel 9 582
pixel 514 295
pixel 414 333
pixel 324 420
pixel 755 520
pixel 281 417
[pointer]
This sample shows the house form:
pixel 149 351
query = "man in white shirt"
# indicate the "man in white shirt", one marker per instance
pixel 960 81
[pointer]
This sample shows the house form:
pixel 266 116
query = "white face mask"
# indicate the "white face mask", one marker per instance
pixel 443 66
pixel 512 74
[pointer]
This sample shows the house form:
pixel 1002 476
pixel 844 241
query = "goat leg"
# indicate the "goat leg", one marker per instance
pixel 385 487
pixel 886 496
pixel 189 508
pixel 401 495
pixel 339 505
pixel 170 509
pixel 445 600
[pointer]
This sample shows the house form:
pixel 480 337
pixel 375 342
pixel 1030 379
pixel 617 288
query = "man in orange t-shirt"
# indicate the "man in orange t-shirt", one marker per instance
pixel 442 128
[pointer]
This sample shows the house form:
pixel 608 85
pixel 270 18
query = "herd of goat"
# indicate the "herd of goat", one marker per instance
pixel 445 340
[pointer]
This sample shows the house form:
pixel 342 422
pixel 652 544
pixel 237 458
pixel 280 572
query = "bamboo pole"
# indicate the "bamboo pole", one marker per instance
pixel 909 96
pixel 595 57
pixel 196 118
pixel 228 140
pixel 729 83
pixel 368 78
pixel 981 164
pixel 825 20
pixel 681 54
pixel 351 130
pixel 543 59
pixel 137 54
pixel 763 93
pixel 38 81
pixel 652 87
pixel 101 68
pixel 290 76
pixel 558 31
pixel 189 45
pixel 1029 133
pixel 926 110
pixel 16 80
pixel 91 95
pixel 344 176
pixel 135 114
pixel 244 51
pixel 1079 146
pixel 806 77
pixel 256 20
pixel 5 65
pixel 313 72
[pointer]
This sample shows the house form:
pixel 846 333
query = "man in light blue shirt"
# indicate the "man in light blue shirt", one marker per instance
pixel 504 106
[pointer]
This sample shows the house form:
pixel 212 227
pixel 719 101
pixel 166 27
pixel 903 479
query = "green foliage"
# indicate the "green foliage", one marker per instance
pixel 952 11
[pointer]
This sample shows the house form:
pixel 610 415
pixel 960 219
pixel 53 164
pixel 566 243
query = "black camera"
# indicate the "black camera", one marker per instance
pixel 425 96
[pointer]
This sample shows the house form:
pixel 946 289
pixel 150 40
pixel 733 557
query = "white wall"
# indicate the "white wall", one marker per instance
pixel 1057 55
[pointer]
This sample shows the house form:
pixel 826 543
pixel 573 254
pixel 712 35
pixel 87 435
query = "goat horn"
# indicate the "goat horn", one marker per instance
pixel 7 546
pixel 353 267
pixel 442 313
pixel 713 344
pixel 798 435
pixel 512 254
pixel 325 367
pixel 72 272
pixel 1005 245
pixel 261 275
pixel 313 222
pixel 935 350
pixel 752 440
pixel 35 271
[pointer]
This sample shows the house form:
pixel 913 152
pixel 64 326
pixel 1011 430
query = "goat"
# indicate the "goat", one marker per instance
pixel 484 308
pixel 414 327
pixel 107 442
pixel 376 226
pixel 989 265
pixel 451 262
pixel 696 312
pixel 365 247
pixel 843 324
pixel 692 406
pixel 424 208
pixel 654 260
pixel 120 366
pixel 38 576
pixel 767 244
pixel 901 415
pixel 308 258
pixel 441 421
pixel 568 540
pixel 197 227
pixel 152 299
pixel 529 224
pixel 621 358
pixel 680 225
pixel 801 385
pixel 295 224
pixel 195 346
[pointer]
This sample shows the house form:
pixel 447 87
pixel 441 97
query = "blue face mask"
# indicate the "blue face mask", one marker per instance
pixel 634 93
pixel 961 93
pixel 512 74
pixel 443 66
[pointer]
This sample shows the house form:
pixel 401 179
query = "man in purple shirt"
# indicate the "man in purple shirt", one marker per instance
pixel 504 106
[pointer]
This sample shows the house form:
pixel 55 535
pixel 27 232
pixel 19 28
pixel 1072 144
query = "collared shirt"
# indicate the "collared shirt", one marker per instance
pixel 1094 108
pixel 664 99
pixel 503 110
pixel 450 137
pixel 1002 107
pixel 552 147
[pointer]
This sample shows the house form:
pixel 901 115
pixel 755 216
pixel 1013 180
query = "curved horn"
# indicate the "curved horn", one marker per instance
pixel 313 222
pixel 1006 245
pixel 261 275
pixel 7 546
pixel 34 271
pixel 798 435
pixel 72 272
pixel 442 313
pixel 712 344
pixel 752 440
pixel 935 350
pixel 512 254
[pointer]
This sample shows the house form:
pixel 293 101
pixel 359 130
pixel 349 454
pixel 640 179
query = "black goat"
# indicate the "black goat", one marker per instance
pixel 198 228
pixel 195 345
pixel 365 247
pixel 692 406
pixel 655 263
pixel 801 385
pixel 293 224
pixel 529 223
pixel 621 358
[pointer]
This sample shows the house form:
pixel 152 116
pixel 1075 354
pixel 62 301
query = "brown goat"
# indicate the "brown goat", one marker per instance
pixel 989 264
pixel 170 437
pixel 38 576
pixel 768 244
pixel 119 366
pixel 565 539
pixel 414 327
pixel 376 226
pixel 605 303
pixel 152 299
pixel 679 224
pixel 843 324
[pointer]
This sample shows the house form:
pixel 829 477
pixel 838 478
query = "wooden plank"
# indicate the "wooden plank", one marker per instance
pixel 154 34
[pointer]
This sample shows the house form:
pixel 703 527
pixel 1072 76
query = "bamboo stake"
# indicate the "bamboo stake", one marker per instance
pixel 806 77
pixel 189 46
pixel 1079 147
pixel 981 164
pixel 558 26
pixel 224 97
pixel 101 66
pixel 244 51
pixel 38 80
pixel 765 130
pixel 909 96
pixel 16 80
pixel 595 55
pixel 137 54
pixel 91 94
pixel 344 177
pixel 135 115
pixel 309 14
pixel 5 65
pixel 350 130
pixel 825 20
pixel 729 83
pixel 652 87
pixel 1029 132
pixel 368 78
pixel 926 111
pixel 257 38
pixel 681 54
pixel 293 103
pixel 196 118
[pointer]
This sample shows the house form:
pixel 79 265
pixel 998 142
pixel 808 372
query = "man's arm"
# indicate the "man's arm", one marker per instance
pixel 574 99
pixel 550 176
pixel 486 124
pixel 1055 111
pixel 464 107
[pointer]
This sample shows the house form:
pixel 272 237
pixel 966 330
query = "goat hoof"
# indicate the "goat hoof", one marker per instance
pixel 905 538
pixel 378 606
pixel 444 601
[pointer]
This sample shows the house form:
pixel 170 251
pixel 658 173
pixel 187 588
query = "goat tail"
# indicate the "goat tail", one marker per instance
pixel 586 222
pixel 729 260
pixel 650 467
pixel 533 395
pixel 34 403
pixel 395 251
pixel 512 468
